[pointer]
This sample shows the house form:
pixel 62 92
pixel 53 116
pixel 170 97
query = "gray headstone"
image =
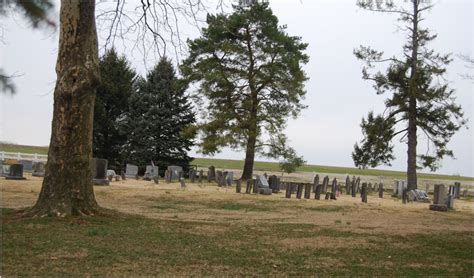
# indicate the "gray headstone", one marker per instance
pixel 457 190
pixel 274 183
pixel 176 172
pixel 229 178
pixel 288 190
pixel 262 182
pixel 201 173
pixel 38 169
pixel 380 190
pixel 211 174
pixel 99 171
pixel 151 171
pixel 325 183
pixel 4 170
pixel 315 182
pixel 15 172
pixel 364 192
pixel 317 194
pixel 218 176
pixel 238 186
pixel 348 185
pixel 131 171
pixel 307 190
pixel 439 194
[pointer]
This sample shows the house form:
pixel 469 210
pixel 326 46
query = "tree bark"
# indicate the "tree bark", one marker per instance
pixel 67 186
pixel 413 91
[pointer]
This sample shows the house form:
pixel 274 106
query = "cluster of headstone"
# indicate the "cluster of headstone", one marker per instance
pixel 260 185
pixel 15 171
pixel 222 178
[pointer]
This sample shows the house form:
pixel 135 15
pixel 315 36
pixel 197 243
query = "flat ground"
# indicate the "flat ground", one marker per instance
pixel 162 229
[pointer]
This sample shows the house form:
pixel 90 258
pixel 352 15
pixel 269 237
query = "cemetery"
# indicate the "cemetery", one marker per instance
pixel 352 224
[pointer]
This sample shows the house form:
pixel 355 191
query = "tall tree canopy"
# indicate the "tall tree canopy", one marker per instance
pixel 111 106
pixel 249 74
pixel 160 120
pixel 421 103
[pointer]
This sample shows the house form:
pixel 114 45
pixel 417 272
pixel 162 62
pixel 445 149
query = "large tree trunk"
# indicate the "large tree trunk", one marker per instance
pixel 413 91
pixel 249 158
pixel 67 186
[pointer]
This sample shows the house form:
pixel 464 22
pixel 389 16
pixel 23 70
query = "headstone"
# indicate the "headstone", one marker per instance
pixel 364 192
pixel 457 190
pixel 218 176
pixel 99 171
pixel 315 182
pixel 307 191
pixel 353 188
pixel 131 171
pixel 348 185
pixel 183 185
pixel 27 165
pixel 380 190
pixel 465 193
pixel 4 170
pixel 167 176
pixel 263 186
pixel 369 187
pixel 299 191
pixel 111 175
pixel 254 186
pixel 325 183
pixel 151 171
pixel 176 172
pixel 222 180
pixel 229 178
pixel 357 185
pixel 238 186
pixel 334 186
pixel 274 183
pixel 450 201
pixel 15 172
pixel 317 194
pixel 201 173
pixel 192 175
pixel 439 197
pixel 288 190
pixel 211 174
pixel 38 169
pixel 249 188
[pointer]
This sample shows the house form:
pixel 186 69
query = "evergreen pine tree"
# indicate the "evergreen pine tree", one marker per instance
pixel 160 119
pixel 111 106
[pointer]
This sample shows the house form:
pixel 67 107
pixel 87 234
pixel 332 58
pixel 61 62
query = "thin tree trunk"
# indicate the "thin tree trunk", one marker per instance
pixel 67 186
pixel 412 124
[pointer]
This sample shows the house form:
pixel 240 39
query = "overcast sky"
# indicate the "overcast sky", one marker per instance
pixel 337 96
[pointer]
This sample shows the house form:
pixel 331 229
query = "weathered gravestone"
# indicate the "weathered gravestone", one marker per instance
pixel 222 180
pixel 151 172
pixel 334 187
pixel 211 173
pixel 439 197
pixel 405 195
pixel 99 171
pixel 315 182
pixel 358 185
pixel 238 186
pixel 201 173
pixel 229 178
pixel 254 186
pixel 288 190
pixel 354 187
pixel 15 172
pixel 363 192
pixel 263 186
pixel 317 194
pixel 274 182
pixel 111 175
pixel 176 172
pixel 38 169
pixel 131 171
pixel 218 177
pixel 183 185
pixel 369 187
pixel 307 190
pixel 457 190
pixel 325 183
pixel 380 190
pixel 299 190
pixel 465 193
pixel 167 176
pixel 398 187
pixel 348 185
pixel 4 170
pixel 192 175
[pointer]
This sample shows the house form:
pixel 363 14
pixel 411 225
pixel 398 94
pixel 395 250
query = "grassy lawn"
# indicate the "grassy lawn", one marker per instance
pixel 129 245
pixel 268 166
